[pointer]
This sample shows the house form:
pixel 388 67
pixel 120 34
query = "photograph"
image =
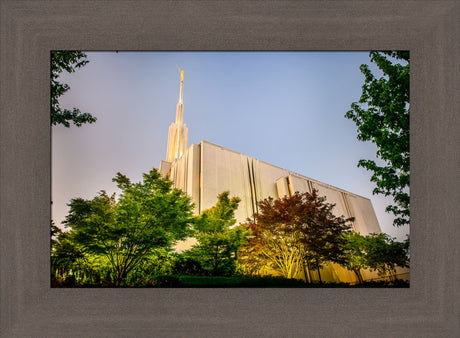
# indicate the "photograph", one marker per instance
pixel 195 169
pixel 229 168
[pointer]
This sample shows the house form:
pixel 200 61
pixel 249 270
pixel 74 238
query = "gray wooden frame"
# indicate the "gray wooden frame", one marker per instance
pixel 30 29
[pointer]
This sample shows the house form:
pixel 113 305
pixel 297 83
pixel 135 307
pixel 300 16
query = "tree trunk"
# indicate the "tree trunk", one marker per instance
pixel 118 280
pixel 358 274
pixel 309 272
pixel 319 273
pixel 120 276
pixel 307 277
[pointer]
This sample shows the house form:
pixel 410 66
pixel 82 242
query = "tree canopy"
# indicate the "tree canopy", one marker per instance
pixel 378 252
pixel 382 117
pixel 67 61
pixel 218 242
pixel 147 215
pixel 294 233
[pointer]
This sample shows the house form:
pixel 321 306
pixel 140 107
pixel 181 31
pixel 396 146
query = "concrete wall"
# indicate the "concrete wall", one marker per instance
pixel 206 170
pixel 185 173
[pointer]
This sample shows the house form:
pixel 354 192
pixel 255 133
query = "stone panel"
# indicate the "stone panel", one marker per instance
pixel 364 215
pixel 268 175
pixel 222 170
pixel 282 187
pixel 299 184
pixel 165 168
pixel 332 196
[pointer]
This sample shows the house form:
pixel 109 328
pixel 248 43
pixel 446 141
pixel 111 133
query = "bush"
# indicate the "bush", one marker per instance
pixel 238 282
pixel 163 281
pixel 168 281
pixel 186 265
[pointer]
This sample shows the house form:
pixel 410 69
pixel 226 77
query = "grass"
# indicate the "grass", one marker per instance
pixel 272 282
pixel 188 281
pixel 237 282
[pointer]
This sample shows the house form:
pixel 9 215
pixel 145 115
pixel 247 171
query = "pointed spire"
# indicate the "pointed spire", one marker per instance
pixel 178 132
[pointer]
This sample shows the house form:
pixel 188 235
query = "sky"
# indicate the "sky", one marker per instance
pixel 284 108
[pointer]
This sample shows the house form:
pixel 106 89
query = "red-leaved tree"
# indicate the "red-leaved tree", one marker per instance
pixel 294 235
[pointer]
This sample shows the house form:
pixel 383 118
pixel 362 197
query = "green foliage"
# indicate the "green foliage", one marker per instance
pixel 158 262
pixel 67 61
pixel 162 281
pixel 218 243
pixel 87 269
pixel 187 264
pixel 355 257
pixel 273 282
pixel 221 216
pixel 237 282
pixel 383 253
pixel 376 251
pixel 148 215
pixel 382 117
pixel 64 253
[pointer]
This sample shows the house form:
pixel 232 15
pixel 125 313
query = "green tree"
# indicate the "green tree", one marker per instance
pixel 384 254
pixel 382 116
pixel 355 254
pixel 67 61
pixel 159 261
pixel 148 215
pixel 293 234
pixel 218 242
pixel 186 263
pixel 64 253
pixel 378 252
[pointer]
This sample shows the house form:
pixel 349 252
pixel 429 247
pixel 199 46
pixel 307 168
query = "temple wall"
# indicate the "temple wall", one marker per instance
pixel 223 170
pixel 253 180
pixel 185 173
pixel 364 215
pixel 206 170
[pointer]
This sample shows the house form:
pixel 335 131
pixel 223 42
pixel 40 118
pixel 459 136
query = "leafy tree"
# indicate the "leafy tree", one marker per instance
pixel 64 253
pixel 383 254
pixel 218 242
pixel 159 261
pixel 148 215
pixel 382 116
pixel 67 61
pixel 294 233
pixel 355 257
pixel 270 251
pixel 186 263
pixel 376 251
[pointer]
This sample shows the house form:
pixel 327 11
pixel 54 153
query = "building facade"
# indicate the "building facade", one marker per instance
pixel 205 170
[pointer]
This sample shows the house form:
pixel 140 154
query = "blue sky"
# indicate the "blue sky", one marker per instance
pixel 284 108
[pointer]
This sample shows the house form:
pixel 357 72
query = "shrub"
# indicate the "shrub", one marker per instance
pixel 186 265
pixel 163 281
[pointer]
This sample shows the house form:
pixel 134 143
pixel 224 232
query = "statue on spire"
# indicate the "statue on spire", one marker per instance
pixel 181 74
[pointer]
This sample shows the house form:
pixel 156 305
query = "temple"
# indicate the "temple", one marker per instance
pixel 205 170
pixel 178 132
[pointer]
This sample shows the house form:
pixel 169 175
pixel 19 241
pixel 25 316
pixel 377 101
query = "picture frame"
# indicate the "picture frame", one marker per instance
pixel 31 29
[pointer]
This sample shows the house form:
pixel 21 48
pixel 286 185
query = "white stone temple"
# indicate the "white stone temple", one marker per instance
pixel 178 132
pixel 205 170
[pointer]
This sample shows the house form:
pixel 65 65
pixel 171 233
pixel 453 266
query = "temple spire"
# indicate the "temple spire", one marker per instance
pixel 181 83
pixel 178 132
